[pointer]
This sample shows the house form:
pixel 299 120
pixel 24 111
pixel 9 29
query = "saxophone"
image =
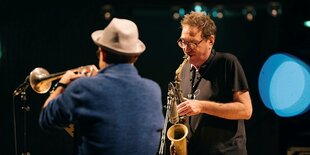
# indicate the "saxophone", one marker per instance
pixel 177 133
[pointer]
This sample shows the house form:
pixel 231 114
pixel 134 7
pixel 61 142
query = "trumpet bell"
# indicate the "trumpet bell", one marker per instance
pixel 36 82
pixel 41 81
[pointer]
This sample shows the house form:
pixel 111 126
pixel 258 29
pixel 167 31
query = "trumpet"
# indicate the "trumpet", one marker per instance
pixel 41 81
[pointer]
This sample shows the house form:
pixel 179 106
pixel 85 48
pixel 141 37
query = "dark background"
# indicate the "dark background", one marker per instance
pixel 55 35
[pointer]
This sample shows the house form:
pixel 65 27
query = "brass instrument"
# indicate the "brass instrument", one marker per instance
pixel 177 133
pixel 41 81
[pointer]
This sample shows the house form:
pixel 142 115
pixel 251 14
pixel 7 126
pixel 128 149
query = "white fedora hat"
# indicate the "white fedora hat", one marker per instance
pixel 121 36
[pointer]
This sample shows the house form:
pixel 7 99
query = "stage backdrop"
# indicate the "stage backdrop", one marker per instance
pixel 56 36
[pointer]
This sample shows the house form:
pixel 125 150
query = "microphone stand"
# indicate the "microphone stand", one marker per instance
pixel 22 91
pixel 25 109
pixel 164 130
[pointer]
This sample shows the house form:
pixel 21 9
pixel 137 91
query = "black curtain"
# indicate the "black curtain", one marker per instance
pixel 56 36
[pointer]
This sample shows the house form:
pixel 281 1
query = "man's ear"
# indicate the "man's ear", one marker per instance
pixel 212 39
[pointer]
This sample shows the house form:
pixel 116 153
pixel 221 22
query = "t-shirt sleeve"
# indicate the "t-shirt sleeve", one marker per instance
pixel 239 80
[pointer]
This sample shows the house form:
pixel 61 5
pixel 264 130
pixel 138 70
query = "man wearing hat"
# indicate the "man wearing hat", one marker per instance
pixel 115 111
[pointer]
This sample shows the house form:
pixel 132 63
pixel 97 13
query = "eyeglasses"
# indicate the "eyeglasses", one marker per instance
pixel 191 45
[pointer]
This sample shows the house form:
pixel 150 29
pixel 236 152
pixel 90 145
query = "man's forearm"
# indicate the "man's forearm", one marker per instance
pixel 53 95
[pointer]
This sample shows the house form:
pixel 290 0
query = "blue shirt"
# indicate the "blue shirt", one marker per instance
pixel 115 112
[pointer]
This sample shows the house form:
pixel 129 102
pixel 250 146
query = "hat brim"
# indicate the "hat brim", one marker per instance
pixel 140 47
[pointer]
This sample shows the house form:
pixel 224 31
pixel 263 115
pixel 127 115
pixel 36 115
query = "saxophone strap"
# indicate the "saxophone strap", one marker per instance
pixel 201 72
pixel 195 83
pixel 195 80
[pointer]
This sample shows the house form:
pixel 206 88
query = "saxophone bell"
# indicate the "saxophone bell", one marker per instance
pixel 177 135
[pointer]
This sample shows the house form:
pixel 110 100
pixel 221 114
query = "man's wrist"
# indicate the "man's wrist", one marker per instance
pixel 59 84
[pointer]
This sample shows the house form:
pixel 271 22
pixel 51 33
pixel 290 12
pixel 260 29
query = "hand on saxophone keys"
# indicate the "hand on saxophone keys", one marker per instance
pixel 189 107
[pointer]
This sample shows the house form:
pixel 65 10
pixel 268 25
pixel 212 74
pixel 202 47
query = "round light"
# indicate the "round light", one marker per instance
pixel 307 23
pixel 284 85
pixel 182 12
pixel 198 8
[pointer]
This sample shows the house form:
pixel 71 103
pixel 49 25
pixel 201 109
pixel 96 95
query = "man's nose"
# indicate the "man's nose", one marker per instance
pixel 187 48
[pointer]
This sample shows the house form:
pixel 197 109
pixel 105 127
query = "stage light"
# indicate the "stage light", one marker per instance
pixel 218 12
pixel 107 12
pixel 182 12
pixel 249 13
pixel 199 7
pixel 284 85
pixel 307 23
pixel 177 12
pixel 274 9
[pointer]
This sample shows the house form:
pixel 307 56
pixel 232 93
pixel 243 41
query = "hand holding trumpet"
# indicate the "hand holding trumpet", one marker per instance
pixel 66 78
pixel 41 81
pixel 71 75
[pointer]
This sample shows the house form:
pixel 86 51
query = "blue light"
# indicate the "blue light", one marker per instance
pixel 284 85
pixel 214 13
pixel 198 8
pixel 307 23
pixel 182 12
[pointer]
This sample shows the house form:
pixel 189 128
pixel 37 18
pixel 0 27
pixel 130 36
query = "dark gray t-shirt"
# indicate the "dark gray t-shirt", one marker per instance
pixel 216 80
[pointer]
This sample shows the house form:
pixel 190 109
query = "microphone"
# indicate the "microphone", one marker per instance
pixel 22 87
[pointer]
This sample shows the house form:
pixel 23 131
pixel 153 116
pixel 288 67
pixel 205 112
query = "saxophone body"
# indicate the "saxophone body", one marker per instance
pixel 178 131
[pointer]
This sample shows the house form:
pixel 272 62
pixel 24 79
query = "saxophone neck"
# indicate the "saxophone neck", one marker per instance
pixel 186 57
pixel 179 70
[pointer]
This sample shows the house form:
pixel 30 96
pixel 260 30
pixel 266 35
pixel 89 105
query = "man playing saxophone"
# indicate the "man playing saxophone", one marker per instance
pixel 115 112
pixel 217 94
